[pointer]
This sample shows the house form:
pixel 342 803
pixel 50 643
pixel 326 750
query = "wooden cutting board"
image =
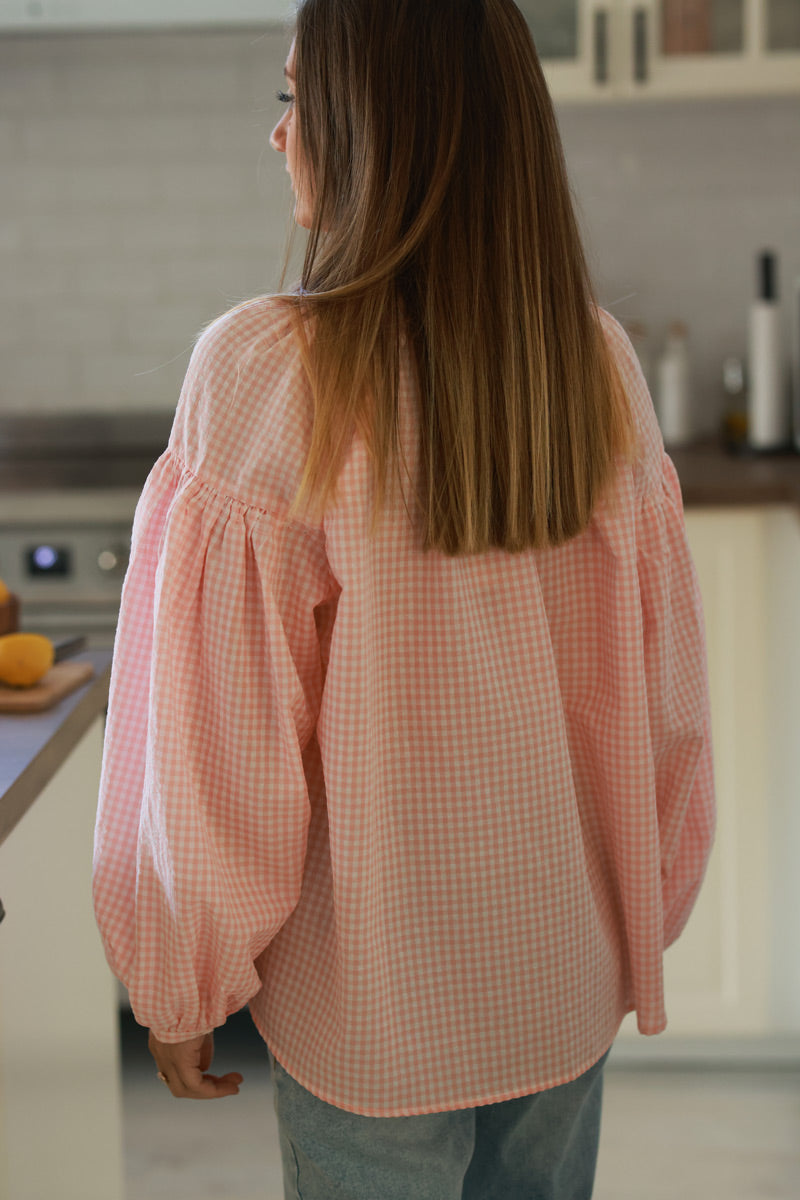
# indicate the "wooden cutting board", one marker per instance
pixel 59 681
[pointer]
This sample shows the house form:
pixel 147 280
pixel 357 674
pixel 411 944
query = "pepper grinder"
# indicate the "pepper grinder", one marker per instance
pixel 768 411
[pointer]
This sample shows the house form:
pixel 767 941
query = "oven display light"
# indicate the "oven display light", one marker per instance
pixel 48 560
pixel 45 557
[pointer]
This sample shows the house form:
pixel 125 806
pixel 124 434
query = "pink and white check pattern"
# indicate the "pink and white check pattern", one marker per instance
pixel 435 818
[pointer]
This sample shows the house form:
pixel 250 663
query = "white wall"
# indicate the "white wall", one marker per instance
pixel 139 198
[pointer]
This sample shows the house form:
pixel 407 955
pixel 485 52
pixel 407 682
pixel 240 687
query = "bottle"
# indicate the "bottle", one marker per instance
pixel 672 383
pixel 796 339
pixel 734 424
pixel 767 411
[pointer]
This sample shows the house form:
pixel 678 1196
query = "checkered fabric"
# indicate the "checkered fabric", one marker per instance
pixel 436 818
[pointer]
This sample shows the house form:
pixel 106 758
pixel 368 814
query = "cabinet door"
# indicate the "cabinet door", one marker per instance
pixel 717 975
pixel 574 42
pixel 782 26
pixel 712 47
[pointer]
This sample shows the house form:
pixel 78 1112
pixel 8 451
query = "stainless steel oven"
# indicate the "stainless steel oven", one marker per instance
pixel 68 491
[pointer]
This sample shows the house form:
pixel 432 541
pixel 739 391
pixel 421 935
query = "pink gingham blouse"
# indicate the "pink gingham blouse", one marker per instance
pixel 434 818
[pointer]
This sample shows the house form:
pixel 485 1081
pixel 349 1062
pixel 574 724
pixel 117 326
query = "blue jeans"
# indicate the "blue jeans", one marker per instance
pixel 539 1147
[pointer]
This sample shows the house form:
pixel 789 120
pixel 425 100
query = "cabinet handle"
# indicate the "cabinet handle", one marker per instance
pixel 601 45
pixel 640 45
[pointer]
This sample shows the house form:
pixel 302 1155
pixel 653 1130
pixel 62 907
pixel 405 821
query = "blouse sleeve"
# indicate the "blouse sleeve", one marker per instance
pixel 204 809
pixel 677 698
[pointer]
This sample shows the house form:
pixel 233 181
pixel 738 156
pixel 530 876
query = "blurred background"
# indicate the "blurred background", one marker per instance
pixel 139 199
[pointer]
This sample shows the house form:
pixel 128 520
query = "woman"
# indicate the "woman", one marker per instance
pixel 408 742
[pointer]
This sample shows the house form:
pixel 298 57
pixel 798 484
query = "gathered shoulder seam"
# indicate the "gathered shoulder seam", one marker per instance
pixel 313 532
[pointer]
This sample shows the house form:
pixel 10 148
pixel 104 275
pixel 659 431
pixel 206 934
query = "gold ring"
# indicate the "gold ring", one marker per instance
pixel 162 1077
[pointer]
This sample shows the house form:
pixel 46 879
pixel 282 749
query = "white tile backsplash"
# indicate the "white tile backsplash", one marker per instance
pixel 38 377
pixel 139 198
pixel 677 199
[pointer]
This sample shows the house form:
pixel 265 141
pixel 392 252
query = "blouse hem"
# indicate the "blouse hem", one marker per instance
pixel 418 1110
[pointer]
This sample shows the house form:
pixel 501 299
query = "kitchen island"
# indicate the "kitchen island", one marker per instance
pixel 60 1100
pixel 33 747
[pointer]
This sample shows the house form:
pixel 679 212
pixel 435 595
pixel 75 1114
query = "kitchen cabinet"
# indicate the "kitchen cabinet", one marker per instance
pixel 31 16
pixel 60 1094
pixel 734 972
pixel 591 49
pixel 638 49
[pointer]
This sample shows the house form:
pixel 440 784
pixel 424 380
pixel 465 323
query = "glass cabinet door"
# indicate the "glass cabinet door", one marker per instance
pixel 554 25
pixel 573 41
pixel 782 25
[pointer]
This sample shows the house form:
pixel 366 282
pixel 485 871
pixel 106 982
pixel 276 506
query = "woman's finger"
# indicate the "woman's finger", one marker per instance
pixel 195 1086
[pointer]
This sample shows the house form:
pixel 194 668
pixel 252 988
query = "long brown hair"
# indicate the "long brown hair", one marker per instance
pixel 442 211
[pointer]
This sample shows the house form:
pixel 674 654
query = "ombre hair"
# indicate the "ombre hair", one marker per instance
pixel 442 212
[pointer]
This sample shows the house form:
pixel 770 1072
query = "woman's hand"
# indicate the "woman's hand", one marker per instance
pixel 182 1065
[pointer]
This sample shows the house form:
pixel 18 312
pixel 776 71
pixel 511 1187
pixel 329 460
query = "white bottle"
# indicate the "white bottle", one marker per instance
pixel 673 399
pixel 767 410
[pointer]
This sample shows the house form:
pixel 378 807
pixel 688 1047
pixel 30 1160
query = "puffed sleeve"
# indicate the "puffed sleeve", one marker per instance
pixel 674 656
pixel 672 673
pixel 204 808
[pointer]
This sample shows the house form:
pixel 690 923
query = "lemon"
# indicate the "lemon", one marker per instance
pixel 24 658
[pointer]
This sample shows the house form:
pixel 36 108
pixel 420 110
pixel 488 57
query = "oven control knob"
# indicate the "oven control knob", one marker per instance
pixel 113 560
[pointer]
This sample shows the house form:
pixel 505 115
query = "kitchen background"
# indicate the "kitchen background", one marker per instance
pixel 139 198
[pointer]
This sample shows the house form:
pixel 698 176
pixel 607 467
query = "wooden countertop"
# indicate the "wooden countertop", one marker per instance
pixel 711 475
pixel 33 746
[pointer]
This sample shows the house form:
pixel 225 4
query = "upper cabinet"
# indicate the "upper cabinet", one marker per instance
pixel 50 16
pixel 591 49
pixel 626 49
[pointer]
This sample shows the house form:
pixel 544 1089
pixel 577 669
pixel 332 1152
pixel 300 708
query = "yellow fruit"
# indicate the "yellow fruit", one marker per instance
pixel 24 658
pixel 4 592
